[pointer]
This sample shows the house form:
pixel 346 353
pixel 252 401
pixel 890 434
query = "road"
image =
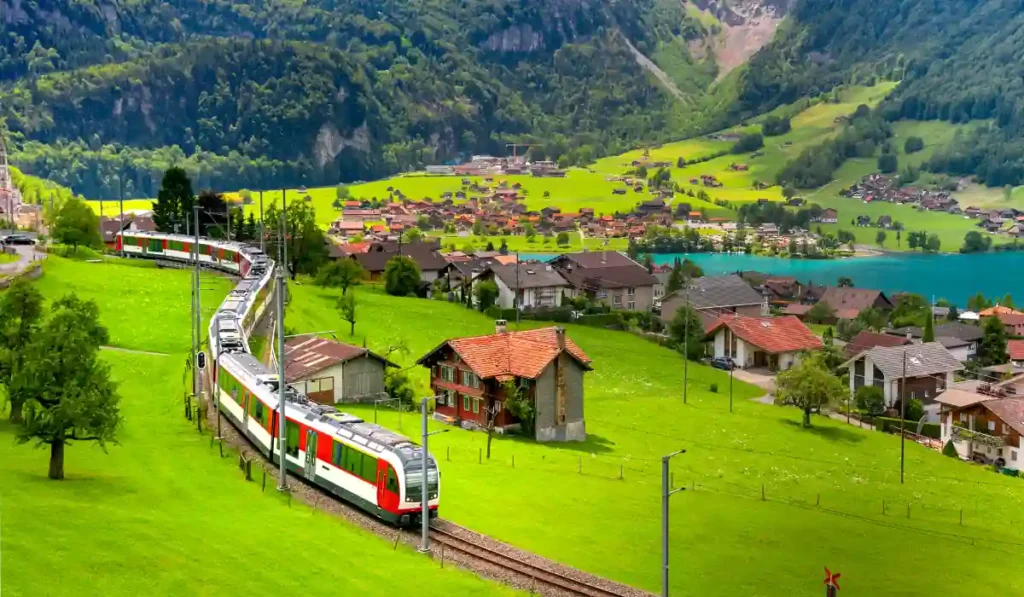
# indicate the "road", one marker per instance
pixel 26 255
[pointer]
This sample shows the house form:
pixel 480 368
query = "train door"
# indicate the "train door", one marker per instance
pixel 387 486
pixel 309 470
pixel 245 410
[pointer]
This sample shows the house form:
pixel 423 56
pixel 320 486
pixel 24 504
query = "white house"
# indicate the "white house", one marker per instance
pixel 772 342
pixel 537 285
pixel 928 369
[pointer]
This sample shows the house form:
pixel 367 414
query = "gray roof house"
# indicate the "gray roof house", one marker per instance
pixel 712 296
pixel 961 339
pixel 533 284
pixel 927 369
pixel 609 277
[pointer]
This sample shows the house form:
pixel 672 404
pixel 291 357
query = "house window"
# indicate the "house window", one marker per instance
pixel 448 373
pixel 448 398
pixel 631 291
pixel 631 306
pixel 465 403
pixel 476 405
pixel 963 417
pixel 602 294
pixel 1013 455
pixel 470 380
pixel 991 425
pixel 617 300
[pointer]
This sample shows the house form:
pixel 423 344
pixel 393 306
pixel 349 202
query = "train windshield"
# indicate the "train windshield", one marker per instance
pixel 414 480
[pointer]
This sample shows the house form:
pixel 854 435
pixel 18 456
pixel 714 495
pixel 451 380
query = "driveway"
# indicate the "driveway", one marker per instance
pixel 762 378
pixel 26 254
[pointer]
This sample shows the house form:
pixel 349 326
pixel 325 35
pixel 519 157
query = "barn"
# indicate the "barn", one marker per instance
pixel 331 372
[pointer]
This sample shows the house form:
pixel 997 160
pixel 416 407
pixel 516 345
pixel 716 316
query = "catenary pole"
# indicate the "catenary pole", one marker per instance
pixel 263 246
pixel 666 492
pixel 903 416
pixel 120 201
pixel 686 342
pixel 197 316
pixel 281 441
pixel 284 233
pixel 425 497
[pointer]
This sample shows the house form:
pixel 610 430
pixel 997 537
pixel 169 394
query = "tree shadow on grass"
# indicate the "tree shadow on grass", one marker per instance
pixel 594 444
pixel 834 434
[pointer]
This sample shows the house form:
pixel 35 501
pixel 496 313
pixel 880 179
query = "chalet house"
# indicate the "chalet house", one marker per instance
pixel 1013 322
pixel 985 425
pixel 972 212
pixel 609 277
pixel 829 216
pixel 863 220
pixel 345 228
pixel 715 296
pixel 1015 350
pixel 425 254
pixel 472 376
pixel 868 340
pixel 331 372
pixel 846 299
pixel 111 227
pixel 961 339
pixel 361 215
pixel 526 285
pixel 773 342
pixel 929 371
pixel 884 222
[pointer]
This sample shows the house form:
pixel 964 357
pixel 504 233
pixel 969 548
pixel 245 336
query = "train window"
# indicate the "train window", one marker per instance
pixel 392 481
pixel 369 472
pixel 339 448
pixel 291 431
pixel 352 460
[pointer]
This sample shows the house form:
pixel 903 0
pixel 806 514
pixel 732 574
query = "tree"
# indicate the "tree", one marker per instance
pixel 911 309
pixel 72 397
pixel 342 193
pixel 478 228
pixel 401 276
pixel 913 145
pixel 519 404
pixel 929 330
pixel 486 293
pixel 808 386
pixel 676 278
pixel 1008 301
pixel 788 192
pixel 880 238
pixel 347 307
pixel 950 450
pixel 503 249
pixel 21 307
pixel 76 224
pixel 562 239
pixel 648 262
pixel 413 235
pixel 933 244
pixel 828 337
pixel 341 273
pixel 845 282
pixel 953 314
pixel 888 163
pixel 992 346
pixel 748 142
pixel 821 312
pixel 172 210
pixel 529 231
pixel 775 125
pixel 687 333
pixel 974 242
pixel 870 399
pixel 306 242
pixel 872 319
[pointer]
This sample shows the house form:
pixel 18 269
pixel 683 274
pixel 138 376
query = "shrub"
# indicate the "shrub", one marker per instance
pixel 913 145
pixel 950 450
pixel 870 399
pixel 714 388
pixel 889 425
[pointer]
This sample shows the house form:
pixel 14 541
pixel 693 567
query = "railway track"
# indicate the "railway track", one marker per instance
pixel 538 577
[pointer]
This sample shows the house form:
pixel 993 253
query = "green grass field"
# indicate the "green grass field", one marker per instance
pixel 567 502
pixel 162 513
pixel 113 208
pixel 8 258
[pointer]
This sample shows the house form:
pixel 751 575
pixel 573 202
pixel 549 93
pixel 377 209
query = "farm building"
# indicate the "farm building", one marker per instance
pixel 472 377
pixel 332 372
pixel 772 342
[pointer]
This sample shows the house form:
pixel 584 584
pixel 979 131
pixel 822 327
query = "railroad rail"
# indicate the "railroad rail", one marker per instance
pixel 537 575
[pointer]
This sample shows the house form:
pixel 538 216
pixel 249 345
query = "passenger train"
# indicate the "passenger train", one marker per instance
pixel 365 464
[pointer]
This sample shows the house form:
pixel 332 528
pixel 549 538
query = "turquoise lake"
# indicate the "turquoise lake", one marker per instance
pixel 953 277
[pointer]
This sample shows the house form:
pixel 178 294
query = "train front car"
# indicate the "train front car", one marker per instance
pixel 411 510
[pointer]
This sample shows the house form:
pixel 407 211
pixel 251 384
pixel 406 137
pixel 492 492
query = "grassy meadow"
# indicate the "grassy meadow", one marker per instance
pixel 824 488
pixel 162 513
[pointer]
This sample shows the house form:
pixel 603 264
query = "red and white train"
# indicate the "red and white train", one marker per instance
pixel 362 463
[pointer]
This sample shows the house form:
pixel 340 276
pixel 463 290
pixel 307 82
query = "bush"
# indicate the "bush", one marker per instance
pixel 887 163
pixel 774 125
pixel 913 145
pixel 613 320
pixel 714 388
pixel 889 425
pixel 870 399
pixel 748 142
pixel 494 312
pixel 950 450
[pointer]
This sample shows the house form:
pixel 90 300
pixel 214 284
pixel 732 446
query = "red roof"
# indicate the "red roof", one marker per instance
pixel 519 354
pixel 867 340
pixel 1011 318
pixel 306 355
pixel 771 334
pixel 1015 348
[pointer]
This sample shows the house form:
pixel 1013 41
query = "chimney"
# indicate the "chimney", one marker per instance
pixel 500 326
pixel 560 337
pixel 910 337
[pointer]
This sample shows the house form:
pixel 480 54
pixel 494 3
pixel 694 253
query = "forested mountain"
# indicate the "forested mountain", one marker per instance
pixel 280 92
pixel 957 60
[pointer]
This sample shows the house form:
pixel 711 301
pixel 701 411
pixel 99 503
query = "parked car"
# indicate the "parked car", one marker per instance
pixel 17 239
pixel 725 363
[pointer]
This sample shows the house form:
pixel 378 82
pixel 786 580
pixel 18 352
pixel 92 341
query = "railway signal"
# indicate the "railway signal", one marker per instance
pixel 201 360
pixel 831 583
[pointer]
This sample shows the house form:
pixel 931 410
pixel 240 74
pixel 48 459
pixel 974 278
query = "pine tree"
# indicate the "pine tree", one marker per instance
pixel 929 329
pixel 675 279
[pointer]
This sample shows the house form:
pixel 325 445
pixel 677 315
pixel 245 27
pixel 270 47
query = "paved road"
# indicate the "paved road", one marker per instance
pixel 26 254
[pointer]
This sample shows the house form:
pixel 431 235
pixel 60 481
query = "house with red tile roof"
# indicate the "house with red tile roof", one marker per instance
pixel 473 378
pixel 776 343
pixel 331 372
pixel 1015 350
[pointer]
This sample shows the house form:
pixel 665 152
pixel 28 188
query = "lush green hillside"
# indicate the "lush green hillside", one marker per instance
pixel 957 60
pixel 823 488
pixel 162 513
pixel 315 92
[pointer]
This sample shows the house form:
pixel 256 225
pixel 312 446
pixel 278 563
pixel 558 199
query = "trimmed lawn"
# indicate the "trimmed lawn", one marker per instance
pixel 824 487
pixel 162 513
pixel 113 208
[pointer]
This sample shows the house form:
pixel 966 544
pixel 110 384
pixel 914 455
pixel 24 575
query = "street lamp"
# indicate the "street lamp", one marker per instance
pixel 425 496
pixel 666 492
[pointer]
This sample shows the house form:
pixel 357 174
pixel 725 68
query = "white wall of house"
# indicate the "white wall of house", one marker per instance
pixel 1012 455
pixel 334 371
pixel 745 352
pixel 548 296
pixel 962 353
pixel 506 298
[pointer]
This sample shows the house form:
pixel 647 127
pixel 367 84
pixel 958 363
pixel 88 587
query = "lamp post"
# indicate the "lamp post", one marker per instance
pixel 425 496
pixel 666 492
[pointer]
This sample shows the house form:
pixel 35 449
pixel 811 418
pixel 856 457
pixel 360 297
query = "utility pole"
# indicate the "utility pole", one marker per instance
pixel 263 246
pixel 425 497
pixel 732 367
pixel 686 342
pixel 903 415
pixel 519 290
pixel 666 492
pixel 197 320
pixel 284 233
pixel 120 201
pixel 281 442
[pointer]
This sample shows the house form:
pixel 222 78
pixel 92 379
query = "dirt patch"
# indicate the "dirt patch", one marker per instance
pixel 738 43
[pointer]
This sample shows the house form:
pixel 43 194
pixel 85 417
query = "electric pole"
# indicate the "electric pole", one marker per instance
pixel 120 201
pixel 263 246
pixel 199 312
pixel 284 234
pixel 686 342
pixel 666 492
pixel 281 383
pixel 903 415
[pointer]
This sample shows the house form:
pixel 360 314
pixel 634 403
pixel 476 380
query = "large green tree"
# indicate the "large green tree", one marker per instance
pixel 172 210
pixel 21 308
pixel 341 273
pixel 306 242
pixel 809 386
pixel 992 346
pixel 401 276
pixel 71 397
pixel 76 224
pixel 687 333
